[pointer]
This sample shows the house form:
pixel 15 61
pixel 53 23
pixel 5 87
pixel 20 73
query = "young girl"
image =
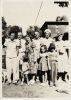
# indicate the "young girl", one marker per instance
pixel 25 70
pixel 43 66
pixel 52 63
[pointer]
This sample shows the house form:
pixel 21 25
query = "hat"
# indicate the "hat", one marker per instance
pixel 47 30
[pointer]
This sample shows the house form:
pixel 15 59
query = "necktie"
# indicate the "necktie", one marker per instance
pixel 20 43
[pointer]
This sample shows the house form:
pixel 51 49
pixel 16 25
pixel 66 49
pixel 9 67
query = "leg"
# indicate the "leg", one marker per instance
pixel 45 76
pixel 27 79
pixel 33 77
pixel 8 65
pixel 55 73
pixel 51 83
pixel 15 70
pixel 22 79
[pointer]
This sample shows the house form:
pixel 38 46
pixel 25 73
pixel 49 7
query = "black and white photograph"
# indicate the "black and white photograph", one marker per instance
pixel 36 48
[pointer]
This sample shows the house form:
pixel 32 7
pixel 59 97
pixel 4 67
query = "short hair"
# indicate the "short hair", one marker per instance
pixel 52 46
pixel 45 47
pixel 25 59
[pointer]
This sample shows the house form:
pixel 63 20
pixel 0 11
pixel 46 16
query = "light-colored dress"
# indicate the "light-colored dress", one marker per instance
pixel 63 63
pixel 25 68
pixel 37 43
pixel 43 65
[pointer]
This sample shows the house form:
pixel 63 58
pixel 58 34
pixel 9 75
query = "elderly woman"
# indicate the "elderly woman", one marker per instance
pixel 47 40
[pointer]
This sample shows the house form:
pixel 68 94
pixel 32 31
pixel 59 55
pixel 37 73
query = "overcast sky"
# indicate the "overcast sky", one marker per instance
pixel 23 12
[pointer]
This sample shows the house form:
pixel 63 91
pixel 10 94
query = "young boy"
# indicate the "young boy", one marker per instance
pixel 52 63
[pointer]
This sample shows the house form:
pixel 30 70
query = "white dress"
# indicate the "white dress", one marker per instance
pixel 25 67
pixel 63 63
pixel 37 43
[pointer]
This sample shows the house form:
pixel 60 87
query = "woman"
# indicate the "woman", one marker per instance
pixel 63 63
pixel 32 55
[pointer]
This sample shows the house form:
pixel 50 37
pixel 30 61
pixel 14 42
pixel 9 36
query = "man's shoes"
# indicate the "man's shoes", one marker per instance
pixel 8 83
pixel 15 83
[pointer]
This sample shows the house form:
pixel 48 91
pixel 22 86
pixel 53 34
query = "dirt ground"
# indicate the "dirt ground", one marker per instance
pixel 31 91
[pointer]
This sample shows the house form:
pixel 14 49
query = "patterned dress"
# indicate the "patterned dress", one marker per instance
pixel 32 55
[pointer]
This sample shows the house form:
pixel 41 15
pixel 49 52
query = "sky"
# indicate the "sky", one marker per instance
pixel 24 12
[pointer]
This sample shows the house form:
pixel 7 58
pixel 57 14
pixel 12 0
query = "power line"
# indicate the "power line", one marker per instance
pixel 38 12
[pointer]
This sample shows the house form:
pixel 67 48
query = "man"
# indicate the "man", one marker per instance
pixel 11 58
pixel 21 43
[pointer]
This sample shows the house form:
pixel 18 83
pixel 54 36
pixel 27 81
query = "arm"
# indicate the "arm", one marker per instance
pixel 48 64
pixel 17 48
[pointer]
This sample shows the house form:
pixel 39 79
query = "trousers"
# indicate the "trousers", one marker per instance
pixel 12 66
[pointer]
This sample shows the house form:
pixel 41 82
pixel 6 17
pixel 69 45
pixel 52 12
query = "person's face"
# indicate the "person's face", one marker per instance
pixel 47 35
pixel 60 37
pixel 42 49
pixel 12 36
pixel 36 35
pixel 20 35
pixel 28 39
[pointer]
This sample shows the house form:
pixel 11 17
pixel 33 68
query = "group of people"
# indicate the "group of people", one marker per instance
pixel 38 59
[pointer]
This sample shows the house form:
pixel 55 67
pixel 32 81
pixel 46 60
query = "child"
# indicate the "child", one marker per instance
pixel 52 63
pixel 25 70
pixel 43 63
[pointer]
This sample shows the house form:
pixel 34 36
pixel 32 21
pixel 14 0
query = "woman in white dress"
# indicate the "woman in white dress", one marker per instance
pixel 63 63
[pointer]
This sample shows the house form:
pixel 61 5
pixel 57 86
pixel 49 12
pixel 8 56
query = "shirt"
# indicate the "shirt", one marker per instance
pixel 21 43
pixel 11 50
pixel 53 56
pixel 37 42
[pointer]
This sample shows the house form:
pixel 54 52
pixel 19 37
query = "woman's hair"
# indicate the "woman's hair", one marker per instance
pixel 52 46
pixel 45 47
pixel 25 59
